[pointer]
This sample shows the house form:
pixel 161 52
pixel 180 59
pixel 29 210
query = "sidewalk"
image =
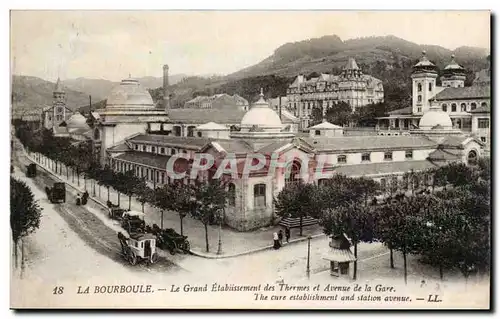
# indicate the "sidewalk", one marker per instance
pixel 234 243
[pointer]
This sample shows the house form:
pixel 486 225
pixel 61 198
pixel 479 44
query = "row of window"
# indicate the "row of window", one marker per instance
pixel 366 157
pixel 419 87
pixel 158 150
pixel 463 107
pixel 158 176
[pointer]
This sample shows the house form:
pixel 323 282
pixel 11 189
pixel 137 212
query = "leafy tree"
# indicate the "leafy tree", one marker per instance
pixel 160 199
pixel 400 223
pixel 339 113
pixel 211 199
pixel 183 201
pixel 144 193
pixel 297 200
pixel 354 219
pixel 25 213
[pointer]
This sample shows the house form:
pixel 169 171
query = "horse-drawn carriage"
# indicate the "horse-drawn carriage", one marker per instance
pixel 31 170
pixel 57 193
pixel 116 212
pixel 169 239
pixel 138 247
pixel 133 222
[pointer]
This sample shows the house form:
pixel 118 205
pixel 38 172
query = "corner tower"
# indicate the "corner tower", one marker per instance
pixel 453 75
pixel 423 84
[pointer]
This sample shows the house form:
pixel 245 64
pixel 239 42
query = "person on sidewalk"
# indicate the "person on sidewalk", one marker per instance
pixel 78 200
pixel 287 234
pixel 280 237
pixel 276 241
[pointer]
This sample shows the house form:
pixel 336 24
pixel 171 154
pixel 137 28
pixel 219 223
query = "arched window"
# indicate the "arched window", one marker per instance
pixel 153 149
pixel 144 148
pixel 430 87
pixel 292 173
pixel 419 98
pixel 419 87
pixel 463 107
pixel 453 107
pixel 473 106
pixel 259 195
pixel 444 107
pixel 136 147
pixel 231 194
pixel 472 158
pixel 484 104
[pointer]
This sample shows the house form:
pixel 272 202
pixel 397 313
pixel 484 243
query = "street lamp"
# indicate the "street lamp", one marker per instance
pixel 219 246
pixel 308 256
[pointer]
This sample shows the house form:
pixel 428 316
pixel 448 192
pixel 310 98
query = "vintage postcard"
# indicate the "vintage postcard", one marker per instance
pixel 250 159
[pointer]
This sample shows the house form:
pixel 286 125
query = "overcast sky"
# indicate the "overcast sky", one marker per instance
pixel 110 45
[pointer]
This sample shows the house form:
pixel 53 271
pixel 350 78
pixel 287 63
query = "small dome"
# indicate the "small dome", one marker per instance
pixel 77 121
pixel 435 118
pixel 129 94
pixel 261 115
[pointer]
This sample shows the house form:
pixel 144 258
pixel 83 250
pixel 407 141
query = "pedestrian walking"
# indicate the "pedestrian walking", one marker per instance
pixel 287 234
pixel 280 237
pixel 276 241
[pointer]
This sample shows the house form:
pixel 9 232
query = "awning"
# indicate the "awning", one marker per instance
pixel 339 255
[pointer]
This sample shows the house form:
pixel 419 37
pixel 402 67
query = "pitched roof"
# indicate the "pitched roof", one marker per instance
pixel 373 142
pixel 144 158
pixel 273 147
pixel 351 64
pixel 201 116
pixel 468 92
pixel 234 146
pixel 444 155
pixel 194 143
pixel 482 109
pixel 405 110
pixel 325 126
pixel 454 141
pixel 119 148
pixel 383 168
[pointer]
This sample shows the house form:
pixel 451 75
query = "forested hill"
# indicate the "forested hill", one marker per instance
pixel 388 58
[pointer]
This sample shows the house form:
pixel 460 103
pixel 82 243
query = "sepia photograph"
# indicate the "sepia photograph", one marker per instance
pixel 250 159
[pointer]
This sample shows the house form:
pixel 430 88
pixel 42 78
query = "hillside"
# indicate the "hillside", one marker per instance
pixel 29 92
pixel 331 53
pixel 99 88
pixel 388 58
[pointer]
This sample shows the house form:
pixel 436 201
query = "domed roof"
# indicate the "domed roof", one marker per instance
pixel 77 121
pixel 435 118
pixel 129 94
pixel 261 115
pixel 424 64
pixel 453 65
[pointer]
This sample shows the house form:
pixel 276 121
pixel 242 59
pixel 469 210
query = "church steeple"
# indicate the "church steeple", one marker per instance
pixel 59 96
pixel 453 74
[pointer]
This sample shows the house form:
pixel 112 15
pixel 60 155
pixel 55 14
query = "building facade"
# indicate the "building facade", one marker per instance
pixel 453 97
pixel 130 136
pixel 351 86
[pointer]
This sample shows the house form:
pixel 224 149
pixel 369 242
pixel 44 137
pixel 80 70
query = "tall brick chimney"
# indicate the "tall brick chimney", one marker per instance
pixel 166 97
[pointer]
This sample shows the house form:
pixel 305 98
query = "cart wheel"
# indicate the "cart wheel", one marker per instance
pixel 173 248
pixel 154 258
pixel 132 258
pixel 187 247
